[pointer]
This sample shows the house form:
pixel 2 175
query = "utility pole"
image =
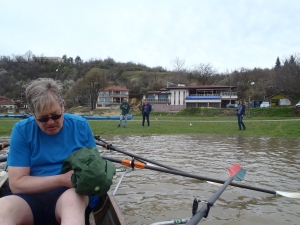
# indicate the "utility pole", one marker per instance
pixel 230 88
pixel 249 86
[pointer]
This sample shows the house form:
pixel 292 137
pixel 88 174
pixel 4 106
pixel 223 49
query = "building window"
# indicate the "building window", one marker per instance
pixel 191 105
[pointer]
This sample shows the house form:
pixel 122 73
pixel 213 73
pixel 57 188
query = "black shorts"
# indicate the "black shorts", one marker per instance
pixel 45 214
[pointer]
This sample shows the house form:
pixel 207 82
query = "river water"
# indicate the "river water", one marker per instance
pixel 147 196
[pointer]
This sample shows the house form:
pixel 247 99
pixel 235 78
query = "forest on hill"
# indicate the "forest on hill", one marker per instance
pixel 83 80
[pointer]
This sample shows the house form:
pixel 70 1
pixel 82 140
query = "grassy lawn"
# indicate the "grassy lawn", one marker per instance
pixel 162 124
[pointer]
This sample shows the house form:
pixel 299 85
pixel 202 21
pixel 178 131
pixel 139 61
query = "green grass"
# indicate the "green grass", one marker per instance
pixel 288 127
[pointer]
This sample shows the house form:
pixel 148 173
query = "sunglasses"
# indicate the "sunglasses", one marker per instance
pixel 45 119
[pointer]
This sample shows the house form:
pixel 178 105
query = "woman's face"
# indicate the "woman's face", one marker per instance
pixel 52 118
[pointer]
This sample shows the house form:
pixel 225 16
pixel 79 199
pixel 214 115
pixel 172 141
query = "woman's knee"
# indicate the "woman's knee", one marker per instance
pixel 70 197
pixel 16 210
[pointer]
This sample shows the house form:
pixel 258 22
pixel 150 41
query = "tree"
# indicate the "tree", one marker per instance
pixel 78 60
pixel 95 80
pixel 77 95
pixel 203 71
pixel 292 60
pixel 28 56
pixel 178 67
pixel 65 58
pixel 70 60
pixel 277 64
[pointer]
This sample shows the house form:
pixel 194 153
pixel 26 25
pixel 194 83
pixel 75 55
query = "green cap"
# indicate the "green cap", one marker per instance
pixel 92 174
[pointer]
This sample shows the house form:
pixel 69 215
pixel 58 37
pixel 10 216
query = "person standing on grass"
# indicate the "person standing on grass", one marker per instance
pixel 146 109
pixel 240 114
pixel 125 107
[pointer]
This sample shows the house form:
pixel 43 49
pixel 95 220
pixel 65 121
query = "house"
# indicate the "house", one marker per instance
pixel 6 104
pixel 111 97
pixel 279 99
pixel 176 98
pixel 48 59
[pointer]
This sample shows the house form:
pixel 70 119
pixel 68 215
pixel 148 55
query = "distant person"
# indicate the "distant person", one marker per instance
pixel 125 107
pixel 146 109
pixel 240 111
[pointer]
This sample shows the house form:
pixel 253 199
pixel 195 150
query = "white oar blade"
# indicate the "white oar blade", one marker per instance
pixel 288 194
pixel 218 184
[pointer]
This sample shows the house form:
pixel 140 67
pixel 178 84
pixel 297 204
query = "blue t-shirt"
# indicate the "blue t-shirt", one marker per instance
pixel 43 153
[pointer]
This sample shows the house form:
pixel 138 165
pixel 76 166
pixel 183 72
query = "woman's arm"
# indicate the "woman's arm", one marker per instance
pixel 20 181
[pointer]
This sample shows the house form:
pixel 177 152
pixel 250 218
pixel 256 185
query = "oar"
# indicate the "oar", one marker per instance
pixel 3 146
pixel 235 172
pixel 111 147
pixel 140 165
pixel 3 159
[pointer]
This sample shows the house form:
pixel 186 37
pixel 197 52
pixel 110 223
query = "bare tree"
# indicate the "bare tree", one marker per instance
pixel 95 80
pixel 28 56
pixel 178 67
pixel 203 71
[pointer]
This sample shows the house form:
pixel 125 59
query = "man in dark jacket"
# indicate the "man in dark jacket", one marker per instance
pixel 240 114
pixel 146 109
pixel 125 107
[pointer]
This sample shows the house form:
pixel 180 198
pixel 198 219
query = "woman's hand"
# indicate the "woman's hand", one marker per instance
pixel 66 179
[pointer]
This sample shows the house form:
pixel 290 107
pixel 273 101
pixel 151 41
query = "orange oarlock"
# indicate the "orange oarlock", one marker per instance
pixel 127 162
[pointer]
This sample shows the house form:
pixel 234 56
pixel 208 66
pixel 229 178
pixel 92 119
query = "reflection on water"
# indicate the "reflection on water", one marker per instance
pixel 147 196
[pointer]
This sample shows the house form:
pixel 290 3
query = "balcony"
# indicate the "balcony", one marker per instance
pixel 159 101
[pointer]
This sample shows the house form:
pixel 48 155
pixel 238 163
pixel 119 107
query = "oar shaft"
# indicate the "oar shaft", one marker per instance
pixel 4 159
pixel 205 208
pixel 135 156
pixel 185 174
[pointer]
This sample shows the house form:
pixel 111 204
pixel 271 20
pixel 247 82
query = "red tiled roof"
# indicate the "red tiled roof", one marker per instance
pixel 7 102
pixel 2 98
pixel 116 88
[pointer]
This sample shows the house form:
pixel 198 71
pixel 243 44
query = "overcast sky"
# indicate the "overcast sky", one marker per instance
pixel 228 34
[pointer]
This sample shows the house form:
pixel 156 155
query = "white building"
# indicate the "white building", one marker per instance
pixel 176 98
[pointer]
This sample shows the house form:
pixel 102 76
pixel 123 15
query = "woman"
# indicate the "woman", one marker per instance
pixel 38 147
pixel 240 114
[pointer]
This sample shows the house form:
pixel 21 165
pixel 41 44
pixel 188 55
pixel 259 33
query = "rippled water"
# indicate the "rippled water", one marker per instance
pixel 147 196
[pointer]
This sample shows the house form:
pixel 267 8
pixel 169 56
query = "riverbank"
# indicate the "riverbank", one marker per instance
pixel 288 127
